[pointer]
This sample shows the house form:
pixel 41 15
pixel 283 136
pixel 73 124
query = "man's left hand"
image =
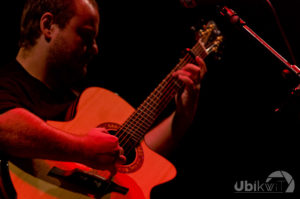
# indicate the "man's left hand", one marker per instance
pixel 191 75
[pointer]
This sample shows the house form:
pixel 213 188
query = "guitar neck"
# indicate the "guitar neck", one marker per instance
pixel 138 124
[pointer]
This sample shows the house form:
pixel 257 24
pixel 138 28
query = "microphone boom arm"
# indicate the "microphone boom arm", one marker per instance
pixel 235 19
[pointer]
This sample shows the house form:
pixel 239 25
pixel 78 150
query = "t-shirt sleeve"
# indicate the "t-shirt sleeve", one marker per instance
pixel 8 101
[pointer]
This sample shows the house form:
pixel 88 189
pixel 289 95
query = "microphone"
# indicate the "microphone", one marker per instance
pixel 232 15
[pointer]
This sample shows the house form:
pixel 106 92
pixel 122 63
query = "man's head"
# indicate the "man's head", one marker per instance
pixel 62 10
pixel 63 32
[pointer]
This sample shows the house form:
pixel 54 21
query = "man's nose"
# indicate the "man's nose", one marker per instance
pixel 94 48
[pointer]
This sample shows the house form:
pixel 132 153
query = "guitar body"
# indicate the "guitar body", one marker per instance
pixel 96 107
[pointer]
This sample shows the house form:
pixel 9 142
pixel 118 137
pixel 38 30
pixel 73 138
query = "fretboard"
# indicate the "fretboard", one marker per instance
pixel 138 124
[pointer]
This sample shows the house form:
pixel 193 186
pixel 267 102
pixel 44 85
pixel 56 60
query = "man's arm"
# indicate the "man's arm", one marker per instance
pixel 23 134
pixel 165 136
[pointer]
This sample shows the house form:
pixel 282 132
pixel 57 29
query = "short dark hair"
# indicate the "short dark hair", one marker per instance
pixel 62 10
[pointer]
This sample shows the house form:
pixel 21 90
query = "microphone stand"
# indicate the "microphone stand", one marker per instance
pixel 235 19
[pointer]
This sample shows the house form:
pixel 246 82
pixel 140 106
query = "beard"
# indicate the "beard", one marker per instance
pixel 66 68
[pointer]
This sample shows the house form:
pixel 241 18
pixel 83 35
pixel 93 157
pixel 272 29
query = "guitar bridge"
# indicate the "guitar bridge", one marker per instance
pixel 86 183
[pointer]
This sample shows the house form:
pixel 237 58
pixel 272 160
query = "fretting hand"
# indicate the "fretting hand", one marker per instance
pixel 191 75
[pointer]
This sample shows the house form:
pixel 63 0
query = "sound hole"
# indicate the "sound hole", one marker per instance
pixel 129 148
pixel 132 150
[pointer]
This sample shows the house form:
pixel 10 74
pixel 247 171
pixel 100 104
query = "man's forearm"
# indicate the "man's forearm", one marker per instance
pixel 23 134
pixel 164 137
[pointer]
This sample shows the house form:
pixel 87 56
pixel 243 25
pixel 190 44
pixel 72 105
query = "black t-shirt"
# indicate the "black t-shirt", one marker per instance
pixel 19 89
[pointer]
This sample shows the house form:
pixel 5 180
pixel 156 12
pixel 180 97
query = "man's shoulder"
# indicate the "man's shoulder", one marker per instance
pixel 10 74
pixel 12 67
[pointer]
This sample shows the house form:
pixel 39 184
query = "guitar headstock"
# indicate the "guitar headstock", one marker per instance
pixel 209 37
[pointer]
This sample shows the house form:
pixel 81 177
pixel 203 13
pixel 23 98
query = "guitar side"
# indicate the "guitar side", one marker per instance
pixel 96 106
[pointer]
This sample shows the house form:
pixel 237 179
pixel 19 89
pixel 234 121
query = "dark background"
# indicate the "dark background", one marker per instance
pixel 236 134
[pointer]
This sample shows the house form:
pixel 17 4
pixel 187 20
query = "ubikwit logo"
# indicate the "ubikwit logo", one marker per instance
pixel 276 182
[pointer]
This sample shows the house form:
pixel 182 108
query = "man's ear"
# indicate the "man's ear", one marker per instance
pixel 46 25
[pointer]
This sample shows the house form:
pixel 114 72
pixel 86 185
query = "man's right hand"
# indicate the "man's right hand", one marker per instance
pixel 25 135
pixel 100 150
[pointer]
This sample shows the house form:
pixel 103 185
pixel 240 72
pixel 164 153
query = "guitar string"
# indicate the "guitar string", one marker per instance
pixel 144 119
pixel 129 147
pixel 138 123
pixel 136 114
pixel 170 81
pixel 166 101
pixel 160 107
pixel 143 116
pixel 144 109
pixel 150 101
pixel 139 110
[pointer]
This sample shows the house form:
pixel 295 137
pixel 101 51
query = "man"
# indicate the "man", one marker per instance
pixel 58 39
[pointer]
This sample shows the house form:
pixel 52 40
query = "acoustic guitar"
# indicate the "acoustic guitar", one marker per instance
pixel 98 107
